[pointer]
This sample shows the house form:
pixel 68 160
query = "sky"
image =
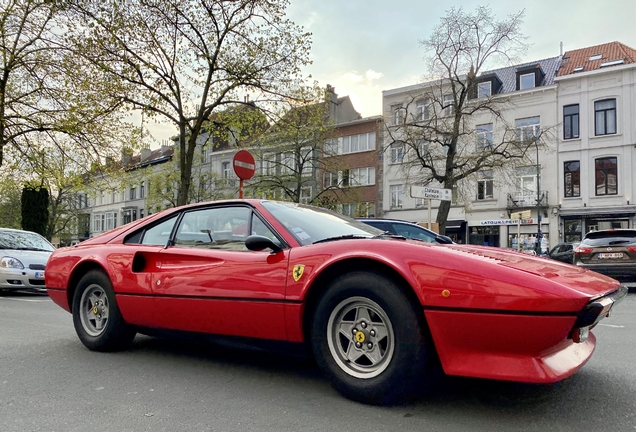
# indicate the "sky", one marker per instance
pixel 362 47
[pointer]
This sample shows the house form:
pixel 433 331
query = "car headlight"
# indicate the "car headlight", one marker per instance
pixel 10 262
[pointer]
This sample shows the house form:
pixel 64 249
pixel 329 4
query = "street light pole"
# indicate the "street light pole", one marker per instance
pixel 539 233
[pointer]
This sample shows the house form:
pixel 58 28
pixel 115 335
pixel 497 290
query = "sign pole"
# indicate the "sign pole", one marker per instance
pixel 241 189
pixel 429 213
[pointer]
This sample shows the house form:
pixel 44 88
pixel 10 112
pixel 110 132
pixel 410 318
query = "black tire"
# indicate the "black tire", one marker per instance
pixel 396 368
pixel 96 316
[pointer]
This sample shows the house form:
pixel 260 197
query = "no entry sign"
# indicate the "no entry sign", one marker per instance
pixel 244 165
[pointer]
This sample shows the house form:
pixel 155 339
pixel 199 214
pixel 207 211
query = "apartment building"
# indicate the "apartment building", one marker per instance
pixel 597 139
pixel 526 99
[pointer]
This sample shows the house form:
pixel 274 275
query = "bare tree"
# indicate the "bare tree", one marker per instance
pixel 183 60
pixel 435 129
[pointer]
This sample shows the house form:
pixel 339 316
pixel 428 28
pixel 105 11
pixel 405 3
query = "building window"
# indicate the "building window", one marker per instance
pixel 449 104
pixel 307 160
pixel 269 164
pixel 571 121
pixel 111 221
pixel 305 194
pixel 362 209
pixel 228 179
pixel 572 178
pixel 358 143
pixel 606 176
pixel 485 186
pixel 287 163
pixel 133 193
pixel 362 176
pixel 528 129
pixel 129 215
pixel 331 147
pixel 527 81
pixel 99 223
pixel 396 196
pixel 484 137
pixel 423 109
pixel 605 117
pixel 397 115
pixel 330 180
pixel 526 185
pixel 484 89
pixel 142 192
pixel 397 153
pixel 141 213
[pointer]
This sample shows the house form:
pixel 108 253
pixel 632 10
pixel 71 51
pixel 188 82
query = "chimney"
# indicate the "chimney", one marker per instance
pixel 561 49
pixel 126 155
pixel 165 146
pixel 145 153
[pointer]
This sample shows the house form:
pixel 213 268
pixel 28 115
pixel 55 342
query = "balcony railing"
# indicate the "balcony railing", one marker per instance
pixel 518 201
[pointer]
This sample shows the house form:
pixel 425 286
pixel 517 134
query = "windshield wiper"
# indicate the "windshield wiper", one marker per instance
pixel 342 237
pixel 616 242
pixel 32 249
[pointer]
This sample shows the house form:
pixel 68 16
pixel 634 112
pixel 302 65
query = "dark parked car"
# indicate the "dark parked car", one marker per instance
pixel 563 252
pixel 610 252
pixel 406 229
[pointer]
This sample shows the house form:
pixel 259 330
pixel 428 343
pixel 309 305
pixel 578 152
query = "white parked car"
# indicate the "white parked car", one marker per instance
pixel 23 257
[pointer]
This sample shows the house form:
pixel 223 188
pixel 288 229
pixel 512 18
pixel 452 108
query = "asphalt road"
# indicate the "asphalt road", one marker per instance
pixel 50 382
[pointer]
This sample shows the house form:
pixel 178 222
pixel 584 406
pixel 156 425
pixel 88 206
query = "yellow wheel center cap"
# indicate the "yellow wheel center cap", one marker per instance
pixel 95 310
pixel 360 337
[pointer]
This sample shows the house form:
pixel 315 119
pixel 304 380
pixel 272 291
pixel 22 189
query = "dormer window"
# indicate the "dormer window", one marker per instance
pixel 484 89
pixel 529 76
pixel 527 81
pixel 596 57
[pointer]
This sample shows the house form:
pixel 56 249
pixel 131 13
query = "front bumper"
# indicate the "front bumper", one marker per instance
pixel 20 279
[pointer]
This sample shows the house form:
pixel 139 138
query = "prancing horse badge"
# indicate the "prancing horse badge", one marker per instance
pixel 298 271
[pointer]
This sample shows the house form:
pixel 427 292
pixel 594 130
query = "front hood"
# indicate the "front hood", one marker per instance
pixel 570 276
pixel 27 257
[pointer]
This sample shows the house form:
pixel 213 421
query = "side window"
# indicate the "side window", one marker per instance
pixel 214 228
pixel 410 231
pixel 259 228
pixel 159 234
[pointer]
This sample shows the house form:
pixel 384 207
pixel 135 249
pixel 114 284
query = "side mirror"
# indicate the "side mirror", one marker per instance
pixel 443 239
pixel 259 243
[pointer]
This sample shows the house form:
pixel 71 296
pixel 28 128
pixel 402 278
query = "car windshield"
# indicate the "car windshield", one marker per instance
pixel 310 224
pixel 608 238
pixel 24 240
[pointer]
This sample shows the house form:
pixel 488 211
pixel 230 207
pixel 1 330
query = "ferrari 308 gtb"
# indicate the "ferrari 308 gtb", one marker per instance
pixel 379 311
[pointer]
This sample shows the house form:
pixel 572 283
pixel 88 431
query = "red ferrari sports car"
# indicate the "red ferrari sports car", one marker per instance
pixel 379 311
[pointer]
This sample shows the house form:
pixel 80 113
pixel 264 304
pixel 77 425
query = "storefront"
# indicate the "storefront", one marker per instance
pixel 575 223
pixel 513 234
pixel 456 230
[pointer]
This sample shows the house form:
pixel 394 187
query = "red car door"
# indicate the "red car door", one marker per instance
pixel 208 281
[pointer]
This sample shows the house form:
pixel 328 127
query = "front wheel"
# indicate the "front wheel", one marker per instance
pixel 369 340
pixel 96 316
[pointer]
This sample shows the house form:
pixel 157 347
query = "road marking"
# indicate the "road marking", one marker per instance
pixel 25 300
pixel 610 325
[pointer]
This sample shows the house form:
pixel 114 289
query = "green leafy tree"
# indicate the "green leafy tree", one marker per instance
pixel 45 91
pixel 440 136
pixel 183 60
pixel 10 206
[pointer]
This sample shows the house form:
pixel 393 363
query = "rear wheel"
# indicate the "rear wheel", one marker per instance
pixel 369 339
pixel 96 316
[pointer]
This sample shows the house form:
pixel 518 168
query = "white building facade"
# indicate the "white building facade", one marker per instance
pixel 597 157
pixel 481 211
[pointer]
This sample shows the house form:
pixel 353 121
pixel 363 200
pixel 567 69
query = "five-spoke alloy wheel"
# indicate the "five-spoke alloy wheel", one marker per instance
pixel 96 316
pixel 370 339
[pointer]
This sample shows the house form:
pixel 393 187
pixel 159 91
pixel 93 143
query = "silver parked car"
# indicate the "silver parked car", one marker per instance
pixel 23 257
pixel 610 252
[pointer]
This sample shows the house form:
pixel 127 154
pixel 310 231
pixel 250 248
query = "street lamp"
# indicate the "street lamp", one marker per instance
pixel 539 233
